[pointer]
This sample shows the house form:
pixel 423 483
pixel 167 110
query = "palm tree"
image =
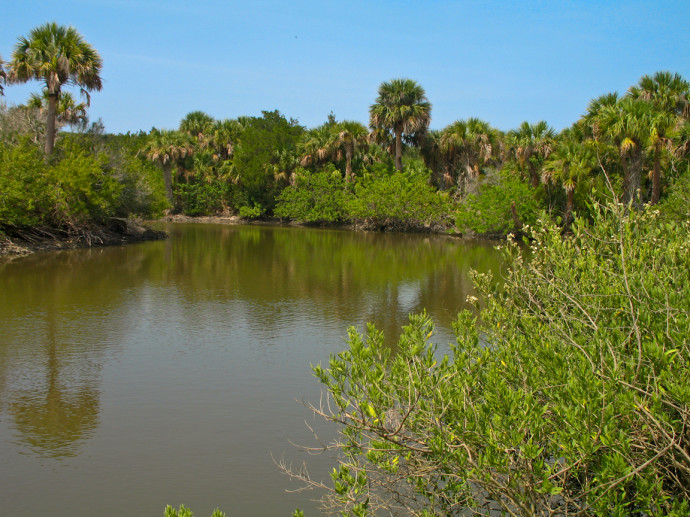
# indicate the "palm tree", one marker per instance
pixel 531 144
pixel 168 148
pixel 197 124
pixel 628 124
pixel 669 95
pixel 58 56
pixel 314 146
pixel 67 112
pixel 402 108
pixel 570 163
pixel 666 91
pixel 349 137
pixel 430 151
pixel 468 145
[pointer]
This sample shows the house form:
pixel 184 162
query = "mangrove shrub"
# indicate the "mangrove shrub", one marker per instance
pixel 569 394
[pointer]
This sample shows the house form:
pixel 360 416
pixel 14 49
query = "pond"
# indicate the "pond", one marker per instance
pixel 173 371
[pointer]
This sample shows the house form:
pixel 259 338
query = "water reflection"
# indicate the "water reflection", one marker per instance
pixel 168 371
pixel 59 407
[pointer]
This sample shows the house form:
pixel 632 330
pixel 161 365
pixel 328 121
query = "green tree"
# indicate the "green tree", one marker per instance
pixel 259 139
pixel 58 56
pixel 568 395
pixel 401 108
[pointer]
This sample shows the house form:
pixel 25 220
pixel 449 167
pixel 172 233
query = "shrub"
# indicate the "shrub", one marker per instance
pixel 490 212
pixel 569 394
pixel 398 200
pixel 318 197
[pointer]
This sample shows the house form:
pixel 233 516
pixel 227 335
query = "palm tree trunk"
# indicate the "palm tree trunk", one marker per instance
pixel 167 181
pixel 50 123
pixel 534 175
pixel 348 164
pixel 569 207
pixel 398 148
pixel 656 175
pixel 632 188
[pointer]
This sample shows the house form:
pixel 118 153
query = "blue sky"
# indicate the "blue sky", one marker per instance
pixel 501 61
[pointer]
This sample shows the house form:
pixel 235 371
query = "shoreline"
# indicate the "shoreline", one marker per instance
pixel 121 231
pixel 118 231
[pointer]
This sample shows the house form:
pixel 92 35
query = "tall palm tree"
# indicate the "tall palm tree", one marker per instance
pixel 168 148
pixel 468 145
pixel 402 108
pixel 669 95
pixel 531 144
pixel 58 56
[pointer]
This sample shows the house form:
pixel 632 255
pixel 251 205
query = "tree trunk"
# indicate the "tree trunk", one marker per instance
pixel 398 149
pixel 534 175
pixel 516 219
pixel 348 165
pixel 631 192
pixel 569 207
pixel 50 123
pixel 167 181
pixel 656 175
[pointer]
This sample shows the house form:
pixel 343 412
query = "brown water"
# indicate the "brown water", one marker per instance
pixel 169 372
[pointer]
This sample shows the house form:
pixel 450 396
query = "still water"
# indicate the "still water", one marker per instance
pixel 172 372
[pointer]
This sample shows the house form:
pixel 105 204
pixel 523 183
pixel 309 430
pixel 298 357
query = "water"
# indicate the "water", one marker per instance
pixel 172 372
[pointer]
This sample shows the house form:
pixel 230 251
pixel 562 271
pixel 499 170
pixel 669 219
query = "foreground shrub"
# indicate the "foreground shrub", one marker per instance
pixel 570 394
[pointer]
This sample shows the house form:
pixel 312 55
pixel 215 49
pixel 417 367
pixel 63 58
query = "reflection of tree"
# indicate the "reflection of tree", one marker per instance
pixel 54 416
pixel 353 277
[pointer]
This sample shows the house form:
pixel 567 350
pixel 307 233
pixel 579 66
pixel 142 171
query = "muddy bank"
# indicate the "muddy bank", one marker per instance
pixel 24 241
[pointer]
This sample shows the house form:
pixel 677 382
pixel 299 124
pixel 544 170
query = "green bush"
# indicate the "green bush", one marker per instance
pixel 569 394
pixel 252 212
pixel 489 211
pixel 27 195
pixel 318 197
pixel 398 200
pixel 202 198
pixel 86 188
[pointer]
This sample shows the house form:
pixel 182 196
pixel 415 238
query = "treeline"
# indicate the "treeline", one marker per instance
pixel 394 174
pixel 397 173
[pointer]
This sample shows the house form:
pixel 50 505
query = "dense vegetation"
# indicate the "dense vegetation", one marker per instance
pixel 396 174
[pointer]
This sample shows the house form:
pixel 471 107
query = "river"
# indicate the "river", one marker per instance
pixel 172 371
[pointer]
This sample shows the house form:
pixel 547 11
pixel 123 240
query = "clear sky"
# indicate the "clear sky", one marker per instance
pixel 501 61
